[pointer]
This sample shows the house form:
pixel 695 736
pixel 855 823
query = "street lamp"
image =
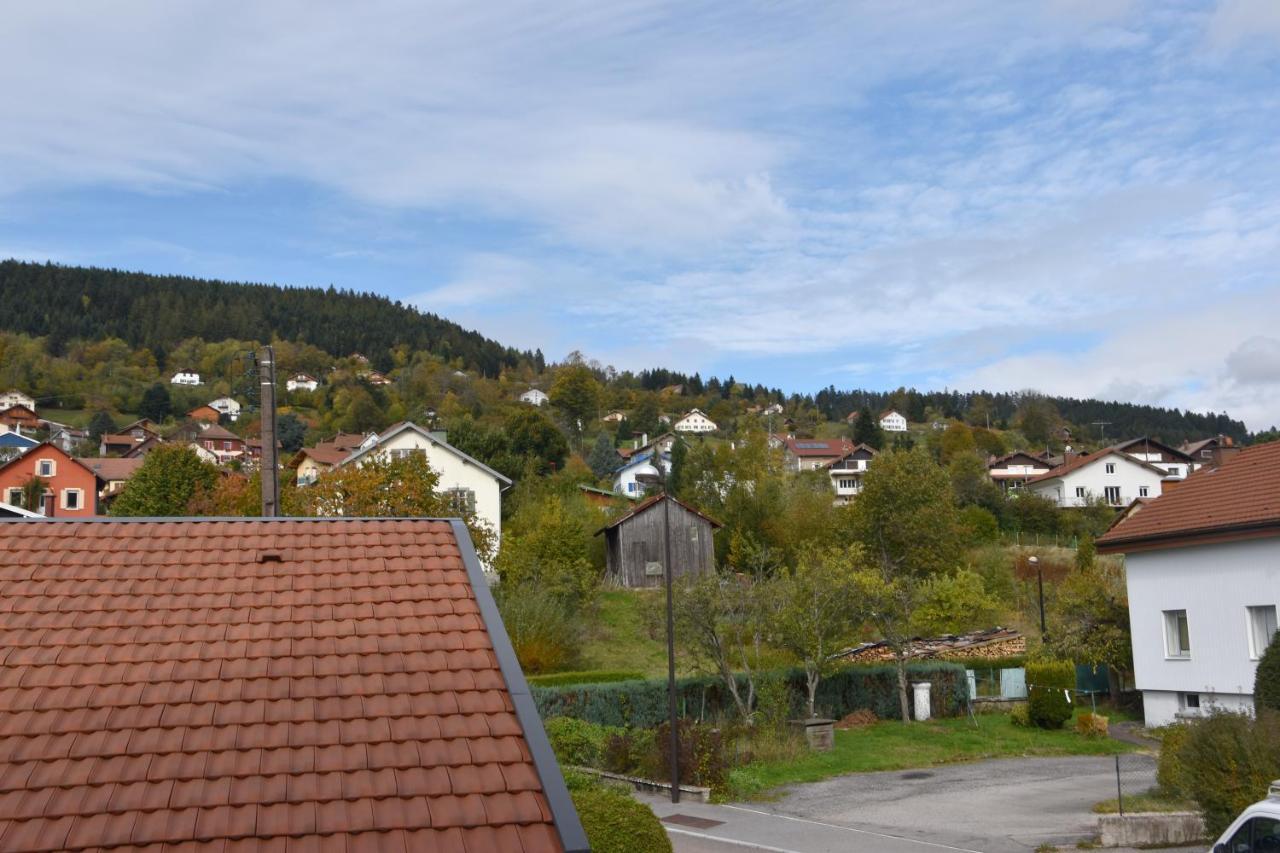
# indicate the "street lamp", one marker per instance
pixel 656 478
pixel 1034 561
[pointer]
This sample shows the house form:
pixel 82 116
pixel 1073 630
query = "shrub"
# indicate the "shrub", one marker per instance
pixel 577 742
pixel 1020 715
pixel 1230 758
pixel 979 525
pixel 704 755
pixel 1092 725
pixel 595 676
pixel 544 632
pixel 1049 683
pixel 615 822
pixel 773 702
pixel 1266 684
pixel 622 752
pixel 1171 770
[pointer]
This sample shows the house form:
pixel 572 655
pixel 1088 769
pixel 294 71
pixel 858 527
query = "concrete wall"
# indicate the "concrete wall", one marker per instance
pixel 1214 584
pixel 1150 829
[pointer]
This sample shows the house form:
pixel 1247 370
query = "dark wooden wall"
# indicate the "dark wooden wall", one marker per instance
pixel 639 540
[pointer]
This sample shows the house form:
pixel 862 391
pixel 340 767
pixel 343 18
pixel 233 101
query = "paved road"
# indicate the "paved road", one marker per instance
pixel 1003 806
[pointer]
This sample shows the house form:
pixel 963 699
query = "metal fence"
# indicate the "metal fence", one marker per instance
pixel 1134 775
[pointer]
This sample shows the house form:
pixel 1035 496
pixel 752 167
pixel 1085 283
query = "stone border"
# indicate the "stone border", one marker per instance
pixel 701 795
pixel 1148 829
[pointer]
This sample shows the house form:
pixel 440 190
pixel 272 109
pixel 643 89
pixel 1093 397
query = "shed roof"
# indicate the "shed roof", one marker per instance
pixel 320 684
pixel 1239 497
pixel 650 502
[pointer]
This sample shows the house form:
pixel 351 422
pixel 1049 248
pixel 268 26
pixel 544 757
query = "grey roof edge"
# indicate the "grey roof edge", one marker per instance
pixel 572 836
pixel 383 436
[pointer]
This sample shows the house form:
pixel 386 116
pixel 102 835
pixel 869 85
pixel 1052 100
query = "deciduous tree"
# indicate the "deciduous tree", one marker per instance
pixel 169 477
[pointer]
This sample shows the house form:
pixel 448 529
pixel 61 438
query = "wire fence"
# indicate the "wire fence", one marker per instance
pixel 1133 778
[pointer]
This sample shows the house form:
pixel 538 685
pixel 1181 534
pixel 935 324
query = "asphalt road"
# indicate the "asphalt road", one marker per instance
pixel 1002 806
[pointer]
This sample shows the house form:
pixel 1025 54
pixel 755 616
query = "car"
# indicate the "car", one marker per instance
pixel 1257 829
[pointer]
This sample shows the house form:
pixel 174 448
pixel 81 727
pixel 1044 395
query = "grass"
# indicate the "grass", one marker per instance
pixel 893 745
pixel 1150 801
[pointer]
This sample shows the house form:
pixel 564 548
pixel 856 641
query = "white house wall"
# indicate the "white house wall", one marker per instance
pixel 1214 584
pixel 1130 476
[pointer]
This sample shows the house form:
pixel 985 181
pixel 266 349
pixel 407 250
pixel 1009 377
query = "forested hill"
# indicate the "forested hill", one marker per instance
pixel 67 303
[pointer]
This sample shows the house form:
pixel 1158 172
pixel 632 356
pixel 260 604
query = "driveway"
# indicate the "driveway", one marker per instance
pixel 999 806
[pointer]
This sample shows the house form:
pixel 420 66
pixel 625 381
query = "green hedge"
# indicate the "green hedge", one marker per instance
pixel 615 821
pixel 593 676
pixel 644 703
pixel 1266 684
pixel 1048 683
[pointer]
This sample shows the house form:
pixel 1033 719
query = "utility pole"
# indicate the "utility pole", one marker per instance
pixel 1102 428
pixel 269 466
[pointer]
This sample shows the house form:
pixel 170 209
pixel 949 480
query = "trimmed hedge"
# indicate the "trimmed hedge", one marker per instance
pixel 577 741
pixel 643 704
pixel 592 676
pixel 615 821
pixel 1048 683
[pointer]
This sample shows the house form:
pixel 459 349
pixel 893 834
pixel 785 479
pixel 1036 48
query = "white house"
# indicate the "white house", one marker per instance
pixel 534 397
pixel 186 376
pixel 1110 474
pixel 226 406
pixel 847 472
pixel 628 480
pixel 772 409
pixel 301 382
pixel 695 421
pixel 893 421
pixel 9 399
pixel 1177 462
pixel 1202 565
pixel 471 486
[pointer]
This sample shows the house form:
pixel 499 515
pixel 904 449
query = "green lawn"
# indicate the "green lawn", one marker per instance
pixel 1150 801
pixel 893 745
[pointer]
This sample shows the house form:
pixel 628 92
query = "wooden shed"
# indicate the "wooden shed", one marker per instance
pixel 635 548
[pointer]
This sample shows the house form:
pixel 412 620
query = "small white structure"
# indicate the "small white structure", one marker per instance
pixel 471 486
pixel 534 397
pixel 301 382
pixel 772 409
pixel 1109 474
pixel 628 480
pixel 1202 564
pixel 614 417
pixel 847 472
pixel 893 421
pixel 186 376
pixel 695 421
pixel 9 399
pixel 226 406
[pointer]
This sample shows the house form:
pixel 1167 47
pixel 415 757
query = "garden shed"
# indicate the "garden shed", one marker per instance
pixel 635 548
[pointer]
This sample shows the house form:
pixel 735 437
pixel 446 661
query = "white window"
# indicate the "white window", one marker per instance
pixel 1079 491
pixel 848 484
pixel 1143 491
pixel 1262 628
pixel 72 498
pixel 15 497
pixel 1111 467
pixel 1177 634
pixel 46 468
pixel 1112 494
pixel 462 501
pixel 1206 454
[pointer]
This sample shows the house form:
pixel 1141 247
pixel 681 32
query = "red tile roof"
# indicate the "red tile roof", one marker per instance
pixel 273 683
pixel 1240 497
pixel 112 467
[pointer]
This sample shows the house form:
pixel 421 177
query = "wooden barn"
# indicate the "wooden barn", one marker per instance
pixel 635 548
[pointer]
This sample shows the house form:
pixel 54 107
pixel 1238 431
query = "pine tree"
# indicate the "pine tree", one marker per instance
pixel 866 429
pixel 603 458
pixel 156 403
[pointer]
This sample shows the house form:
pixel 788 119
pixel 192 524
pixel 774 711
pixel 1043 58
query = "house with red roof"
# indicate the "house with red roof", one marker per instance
pixel 1202 565
pixel 265 684
pixel 812 454
pixel 71 489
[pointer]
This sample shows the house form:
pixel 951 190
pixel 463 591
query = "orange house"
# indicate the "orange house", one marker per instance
pixel 204 413
pixel 71 491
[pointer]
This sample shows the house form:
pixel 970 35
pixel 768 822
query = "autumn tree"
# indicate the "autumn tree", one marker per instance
pixel 533 436
pixel 905 519
pixel 165 483
pixel 575 393
pixel 548 545
pixel 1091 613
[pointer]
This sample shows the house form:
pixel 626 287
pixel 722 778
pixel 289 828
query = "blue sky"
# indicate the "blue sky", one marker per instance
pixel 1079 197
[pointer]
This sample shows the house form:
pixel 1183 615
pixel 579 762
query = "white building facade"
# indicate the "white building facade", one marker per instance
pixel 534 397
pixel 226 406
pixel 695 421
pixel 185 377
pixel 301 382
pixel 10 399
pixel 1116 477
pixel 893 421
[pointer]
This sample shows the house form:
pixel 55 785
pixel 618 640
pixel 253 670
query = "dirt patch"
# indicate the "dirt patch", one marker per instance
pixel 859 718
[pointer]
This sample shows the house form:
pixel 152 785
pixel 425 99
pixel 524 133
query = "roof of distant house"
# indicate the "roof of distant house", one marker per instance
pixel 1009 457
pixel 316 684
pixel 218 433
pixel 112 467
pixel 1238 499
pixel 852 451
pixel 817 446
pixel 404 426
pixel 1077 462
pixel 1144 444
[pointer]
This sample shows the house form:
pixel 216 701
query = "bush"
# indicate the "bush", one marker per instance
pixel 1230 758
pixel 1266 684
pixel 577 742
pixel 1048 686
pixel 1171 770
pixel 1092 725
pixel 773 702
pixel 622 752
pixel 703 753
pixel 643 704
pixel 546 635
pixel 615 822
pixel 979 525
pixel 1020 715
pixel 594 676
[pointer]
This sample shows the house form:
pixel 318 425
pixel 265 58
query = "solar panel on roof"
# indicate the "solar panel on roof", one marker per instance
pixel 811 445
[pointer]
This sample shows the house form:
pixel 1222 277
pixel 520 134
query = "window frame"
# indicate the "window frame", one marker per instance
pixel 1144 491
pixel 62 499
pixel 13 492
pixel 1173 632
pixel 1108 491
pixel 53 468
pixel 1251 613
pixel 1111 467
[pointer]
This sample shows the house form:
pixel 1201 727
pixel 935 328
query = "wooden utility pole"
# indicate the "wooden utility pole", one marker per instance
pixel 269 465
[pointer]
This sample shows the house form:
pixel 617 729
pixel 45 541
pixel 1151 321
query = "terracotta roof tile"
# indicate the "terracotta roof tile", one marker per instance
pixel 1240 495
pixel 162 689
